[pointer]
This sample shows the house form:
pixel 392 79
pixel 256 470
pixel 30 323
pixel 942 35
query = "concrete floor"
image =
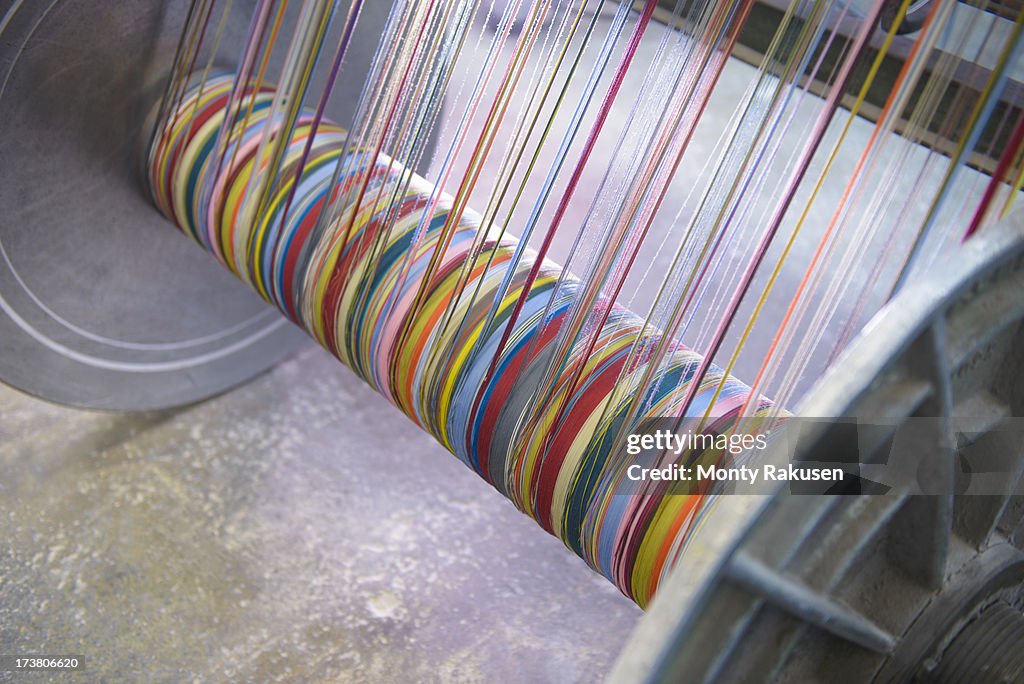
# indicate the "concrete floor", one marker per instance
pixel 318 536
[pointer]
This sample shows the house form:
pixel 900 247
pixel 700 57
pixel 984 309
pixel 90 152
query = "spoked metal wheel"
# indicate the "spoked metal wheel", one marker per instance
pixel 893 587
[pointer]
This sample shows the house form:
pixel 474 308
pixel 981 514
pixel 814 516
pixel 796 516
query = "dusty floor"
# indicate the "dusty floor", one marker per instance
pixel 271 534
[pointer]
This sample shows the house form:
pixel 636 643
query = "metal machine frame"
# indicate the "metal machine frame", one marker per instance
pixel 873 587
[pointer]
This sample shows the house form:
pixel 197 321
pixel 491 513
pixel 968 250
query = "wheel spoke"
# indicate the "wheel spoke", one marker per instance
pixel 807 604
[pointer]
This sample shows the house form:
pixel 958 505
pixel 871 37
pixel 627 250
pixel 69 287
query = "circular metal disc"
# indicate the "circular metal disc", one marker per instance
pixel 761 571
pixel 103 303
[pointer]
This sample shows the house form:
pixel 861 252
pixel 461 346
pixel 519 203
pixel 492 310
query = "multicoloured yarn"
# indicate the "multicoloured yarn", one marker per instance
pixel 341 282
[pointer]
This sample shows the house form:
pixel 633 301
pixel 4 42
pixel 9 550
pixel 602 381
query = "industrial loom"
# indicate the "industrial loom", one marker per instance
pixel 802 218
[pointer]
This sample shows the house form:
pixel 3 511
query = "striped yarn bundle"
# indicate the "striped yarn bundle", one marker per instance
pixel 421 333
